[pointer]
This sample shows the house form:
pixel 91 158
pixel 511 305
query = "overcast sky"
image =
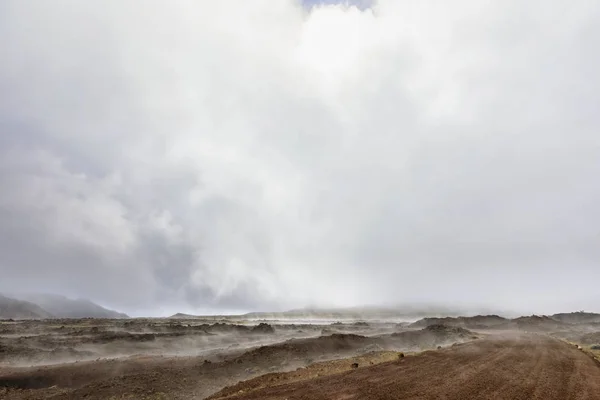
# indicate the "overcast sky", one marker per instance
pixel 240 155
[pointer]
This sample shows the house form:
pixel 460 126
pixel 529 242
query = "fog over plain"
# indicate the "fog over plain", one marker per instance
pixel 244 155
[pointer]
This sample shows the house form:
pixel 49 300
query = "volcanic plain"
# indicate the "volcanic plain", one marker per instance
pixel 184 357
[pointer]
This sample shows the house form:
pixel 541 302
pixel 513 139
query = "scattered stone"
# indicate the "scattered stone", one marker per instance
pixel 355 365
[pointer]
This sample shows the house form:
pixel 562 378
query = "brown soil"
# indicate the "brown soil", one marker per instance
pixel 525 366
pixel 193 359
pixel 176 377
pixel 315 370
pixel 154 372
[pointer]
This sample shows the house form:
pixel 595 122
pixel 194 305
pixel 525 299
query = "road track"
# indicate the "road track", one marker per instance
pixel 519 366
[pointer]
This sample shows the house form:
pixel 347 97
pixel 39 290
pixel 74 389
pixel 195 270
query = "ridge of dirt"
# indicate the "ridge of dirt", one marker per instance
pixel 475 322
pixel 315 370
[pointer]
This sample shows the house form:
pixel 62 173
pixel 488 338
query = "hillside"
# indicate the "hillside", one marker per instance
pixel 63 307
pixel 18 309
pixel 184 316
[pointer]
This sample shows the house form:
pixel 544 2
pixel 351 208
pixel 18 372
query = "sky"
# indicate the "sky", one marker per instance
pixel 248 155
pixel 360 4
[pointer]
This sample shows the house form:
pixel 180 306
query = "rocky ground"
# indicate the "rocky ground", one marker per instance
pixel 195 358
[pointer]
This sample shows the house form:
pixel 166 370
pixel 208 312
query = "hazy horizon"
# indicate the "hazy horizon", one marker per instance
pixel 408 309
pixel 264 155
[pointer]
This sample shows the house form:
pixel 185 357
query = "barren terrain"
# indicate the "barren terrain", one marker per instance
pixel 195 358
pixel 520 366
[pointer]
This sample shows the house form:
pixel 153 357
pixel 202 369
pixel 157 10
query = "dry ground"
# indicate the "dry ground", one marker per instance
pixel 185 359
pixel 525 366
pixel 194 359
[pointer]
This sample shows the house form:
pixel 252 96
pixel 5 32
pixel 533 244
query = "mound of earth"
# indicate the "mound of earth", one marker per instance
pixel 577 317
pixel 263 328
pixel 536 323
pixel 432 336
pixel 448 330
pixel 476 322
pixel 294 350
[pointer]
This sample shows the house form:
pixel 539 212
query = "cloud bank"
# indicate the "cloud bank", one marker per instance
pixel 262 155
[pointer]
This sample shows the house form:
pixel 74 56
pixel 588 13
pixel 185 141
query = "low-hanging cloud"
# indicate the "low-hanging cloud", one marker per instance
pixel 258 154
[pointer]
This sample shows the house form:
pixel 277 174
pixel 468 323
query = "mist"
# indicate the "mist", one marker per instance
pixel 232 156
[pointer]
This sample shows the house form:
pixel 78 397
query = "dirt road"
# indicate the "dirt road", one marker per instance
pixel 524 366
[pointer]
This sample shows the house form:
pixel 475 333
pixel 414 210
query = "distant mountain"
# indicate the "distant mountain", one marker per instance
pixel 63 307
pixel 184 316
pixel 351 313
pixel 369 313
pixel 19 309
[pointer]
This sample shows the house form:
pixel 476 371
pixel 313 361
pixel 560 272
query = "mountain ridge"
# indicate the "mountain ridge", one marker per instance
pixel 44 306
pixel 19 309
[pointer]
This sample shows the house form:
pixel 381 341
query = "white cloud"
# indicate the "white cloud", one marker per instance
pixel 256 154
